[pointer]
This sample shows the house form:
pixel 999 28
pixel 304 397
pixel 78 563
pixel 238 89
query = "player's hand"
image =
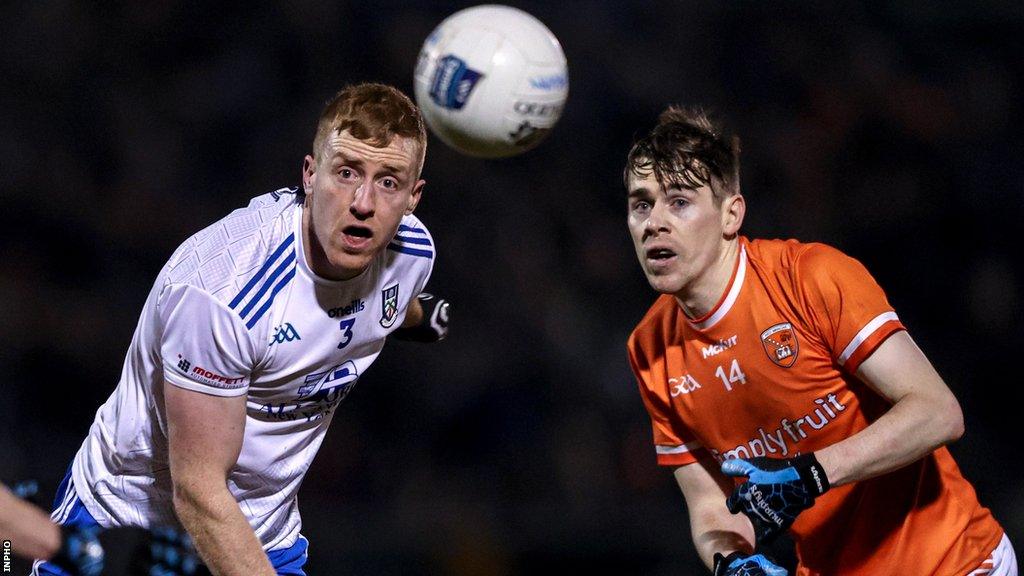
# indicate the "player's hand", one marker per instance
pixel 127 551
pixel 433 326
pixel 740 564
pixel 776 491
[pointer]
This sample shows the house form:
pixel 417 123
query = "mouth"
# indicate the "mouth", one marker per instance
pixel 658 258
pixel 356 237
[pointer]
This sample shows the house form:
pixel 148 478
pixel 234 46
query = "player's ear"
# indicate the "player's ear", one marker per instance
pixel 308 173
pixel 414 198
pixel 734 208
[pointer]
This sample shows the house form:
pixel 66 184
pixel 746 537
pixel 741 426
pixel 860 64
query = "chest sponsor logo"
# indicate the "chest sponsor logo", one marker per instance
pixel 284 333
pixel 780 344
pixel 718 347
pixel 356 305
pixel 388 306
pixel 318 395
pixel 785 438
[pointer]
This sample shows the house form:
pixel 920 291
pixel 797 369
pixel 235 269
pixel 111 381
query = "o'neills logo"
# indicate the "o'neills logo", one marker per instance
pixel 780 344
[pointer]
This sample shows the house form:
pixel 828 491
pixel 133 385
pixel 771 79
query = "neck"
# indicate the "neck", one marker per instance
pixel 316 256
pixel 700 296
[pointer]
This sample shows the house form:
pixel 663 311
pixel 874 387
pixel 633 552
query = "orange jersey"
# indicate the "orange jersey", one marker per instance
pixel 768 372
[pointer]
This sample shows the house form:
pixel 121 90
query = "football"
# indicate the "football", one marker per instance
pixel 491 81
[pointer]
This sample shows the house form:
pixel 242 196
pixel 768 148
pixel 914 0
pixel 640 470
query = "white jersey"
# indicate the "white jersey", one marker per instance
pixel 237 310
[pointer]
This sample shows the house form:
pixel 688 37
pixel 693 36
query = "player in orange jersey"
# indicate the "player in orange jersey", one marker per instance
pixel 783 364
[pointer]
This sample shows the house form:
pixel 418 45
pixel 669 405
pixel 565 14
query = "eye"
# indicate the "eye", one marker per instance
pixel 641 206
pixel 679 202
pixel 389 183
pixel 346 173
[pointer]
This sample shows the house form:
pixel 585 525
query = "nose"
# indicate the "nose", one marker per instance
pixel 655 220
pixel 363 202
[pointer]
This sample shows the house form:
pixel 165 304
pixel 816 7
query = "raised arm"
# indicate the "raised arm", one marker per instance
pixel 924 415
pixel 205 438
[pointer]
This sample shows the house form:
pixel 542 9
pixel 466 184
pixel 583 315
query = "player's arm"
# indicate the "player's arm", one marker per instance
pixel 413 315
pixel 713 528
pixel 426 319
pixel 924 415
pixel 29 529
pixel 205 438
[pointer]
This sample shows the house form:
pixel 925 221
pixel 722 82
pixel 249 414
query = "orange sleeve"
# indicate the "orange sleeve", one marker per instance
pixel 848 308
pixel 674 444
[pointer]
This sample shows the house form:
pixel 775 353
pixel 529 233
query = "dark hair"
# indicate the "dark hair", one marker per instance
pixel 372 112
pixel 687 149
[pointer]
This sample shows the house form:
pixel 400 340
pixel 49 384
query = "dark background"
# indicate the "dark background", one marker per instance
pixel 520 445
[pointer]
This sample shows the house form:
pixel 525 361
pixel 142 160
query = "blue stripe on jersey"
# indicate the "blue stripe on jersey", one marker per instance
pixel 410 251
pixel 266 266
pixel 266 285
pixel 412 240
pixel 259 313
pixel 404 228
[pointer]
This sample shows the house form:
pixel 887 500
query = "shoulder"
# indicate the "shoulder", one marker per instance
pixel 652 328
pixel 798 260
pixel 412 240
pixel 223 257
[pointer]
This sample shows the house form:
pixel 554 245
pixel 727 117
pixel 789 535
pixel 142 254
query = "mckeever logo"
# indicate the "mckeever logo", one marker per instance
pixel 183 364
pixel 284 333
pixel 719 347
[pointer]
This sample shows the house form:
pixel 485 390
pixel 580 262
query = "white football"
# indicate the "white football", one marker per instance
pixel 491 81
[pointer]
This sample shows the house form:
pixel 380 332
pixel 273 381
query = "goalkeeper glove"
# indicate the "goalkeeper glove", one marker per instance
pixel 740 564
pixel 776 490
pixel 433 326
pixel 80 552
pixel 26 490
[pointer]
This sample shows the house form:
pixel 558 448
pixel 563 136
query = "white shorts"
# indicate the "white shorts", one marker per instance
pixel 1002 561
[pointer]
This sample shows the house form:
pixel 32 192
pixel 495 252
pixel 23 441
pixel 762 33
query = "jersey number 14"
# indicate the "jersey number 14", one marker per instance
pixel 735 375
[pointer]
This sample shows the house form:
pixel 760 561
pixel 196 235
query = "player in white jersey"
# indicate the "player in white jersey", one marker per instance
pixel 256 328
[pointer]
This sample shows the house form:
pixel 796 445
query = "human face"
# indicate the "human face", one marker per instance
pixel 356 195
pixel 682 236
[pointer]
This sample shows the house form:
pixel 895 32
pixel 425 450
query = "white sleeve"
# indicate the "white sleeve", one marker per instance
pixel 205 347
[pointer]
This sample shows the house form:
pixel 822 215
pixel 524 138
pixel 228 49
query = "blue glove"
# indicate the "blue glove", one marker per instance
pixel 126 551
pixel 27 490
pixel 80 551
pixel 740 564
pixel 776 491
pixel 156 552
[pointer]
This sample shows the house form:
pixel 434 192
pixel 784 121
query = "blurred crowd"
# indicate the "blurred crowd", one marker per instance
pixel 888 129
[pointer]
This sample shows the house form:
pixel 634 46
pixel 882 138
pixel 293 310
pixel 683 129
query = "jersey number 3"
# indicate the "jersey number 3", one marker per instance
pixel 346 331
